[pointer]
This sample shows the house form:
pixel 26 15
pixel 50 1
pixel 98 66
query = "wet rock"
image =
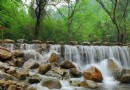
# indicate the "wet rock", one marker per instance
pixel 67 65
pixel 8 41
pixel 5 76
pixel 31 88
pixel 112 65
pixel 36 41
pixel 44 68
pixel 54 58
pixel 34 79
pixel 122 75
pixel 11 70
pixel 93 74
pixel 30 64
pixel 75 73
pixel 21 74
pixel 75 82
pixel 12 87
pixel 51 83
pixel 18 53
pixel 89 84
pixel 4 65
pixel 53 74
pixel 5 54
pixel 19 88
pixel 19 62
pixel 56 72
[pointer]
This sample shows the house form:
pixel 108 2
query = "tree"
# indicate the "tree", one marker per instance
pixel 40 14
pixel 117 11
pixel 71 11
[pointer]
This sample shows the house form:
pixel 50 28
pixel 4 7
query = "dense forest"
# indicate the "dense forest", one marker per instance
pixel 65 20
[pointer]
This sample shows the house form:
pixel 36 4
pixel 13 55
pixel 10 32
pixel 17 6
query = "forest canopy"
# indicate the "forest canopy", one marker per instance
pixel 66 20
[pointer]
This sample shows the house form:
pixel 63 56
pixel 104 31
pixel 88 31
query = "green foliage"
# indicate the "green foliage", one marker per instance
pixel 90 22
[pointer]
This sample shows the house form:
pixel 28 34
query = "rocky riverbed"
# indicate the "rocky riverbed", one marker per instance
pixel 20 71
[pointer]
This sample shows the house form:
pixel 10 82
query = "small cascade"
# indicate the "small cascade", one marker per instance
pixel 29 46
pixel 85 55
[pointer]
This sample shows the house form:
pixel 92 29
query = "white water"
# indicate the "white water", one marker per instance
pixel 84 57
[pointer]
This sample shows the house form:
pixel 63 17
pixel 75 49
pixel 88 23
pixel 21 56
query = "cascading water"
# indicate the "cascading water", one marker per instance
pixel 86 56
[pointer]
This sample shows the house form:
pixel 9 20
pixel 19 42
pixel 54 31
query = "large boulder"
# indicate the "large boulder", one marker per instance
pixel 112 65
pixel 122 75
pixel 44 68
pixel 51 83
pixel 93 74
pixel 30 64
pixel 67 64
pixel 54 58
pixel 4 53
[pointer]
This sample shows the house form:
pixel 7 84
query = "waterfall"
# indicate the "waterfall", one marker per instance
pixel 85 55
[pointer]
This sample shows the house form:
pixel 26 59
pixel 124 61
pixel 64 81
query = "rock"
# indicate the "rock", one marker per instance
pixel 8 41
pixel 12 87
pixel 18 53
pixel 51 83
pixel 54 58
pixel 96 43
pixel 73 42
pixel 44 68
pixel 31 88
pixel 122 75
pixel 21 40
pixel 93 74
pixel 36 41
pixel 112 65
pixel 53 74
pixel 21 74
pixel 89 84
pixel 56 72
pixel 11 70
pixel 4 53
pixel 19 62
pixel 50 42
pixel 30 64
pixel 86 43
pixel 4 65
pixel 43 46
pixel 75 73
pixel 6 76
pixel 75 83
pixel 34 79
pixel 19 88
pixel 67 65
pixel 107 43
